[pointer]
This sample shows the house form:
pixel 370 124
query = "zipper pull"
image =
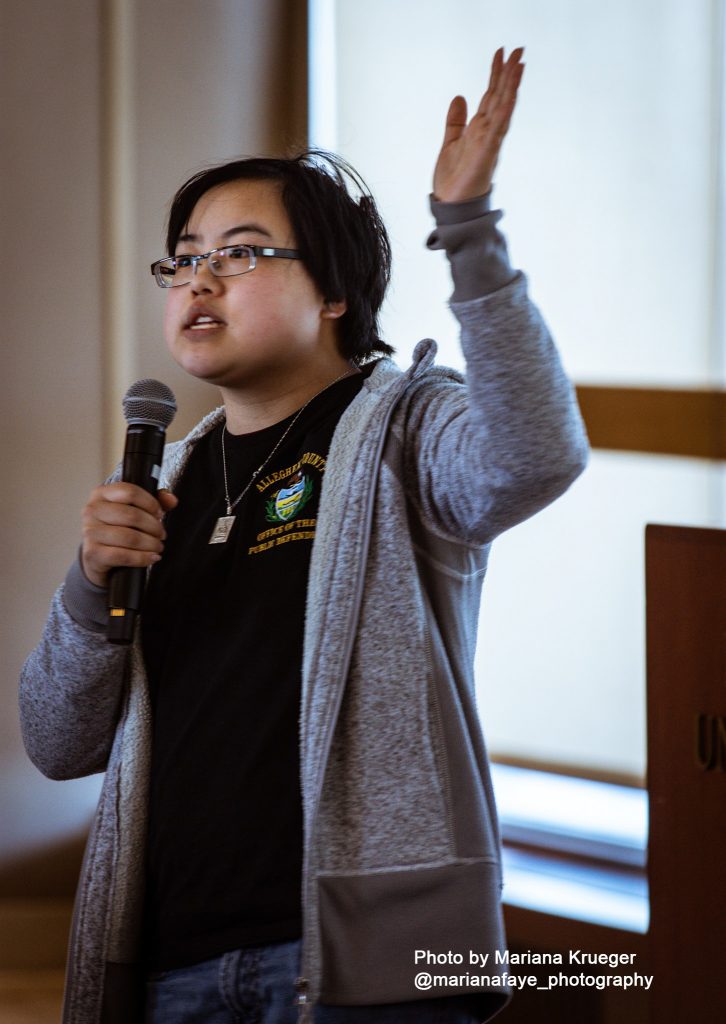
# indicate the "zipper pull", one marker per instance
pixel 305 1009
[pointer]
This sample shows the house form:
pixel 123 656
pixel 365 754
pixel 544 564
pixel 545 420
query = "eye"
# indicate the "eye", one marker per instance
pixel 182 262
pixel 238 252
pixel 166 271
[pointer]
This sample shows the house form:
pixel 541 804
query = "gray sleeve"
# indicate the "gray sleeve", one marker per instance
pixel 86 603
pixel 71 690
pixel 490 453
pixel 72 684
pixel 476 250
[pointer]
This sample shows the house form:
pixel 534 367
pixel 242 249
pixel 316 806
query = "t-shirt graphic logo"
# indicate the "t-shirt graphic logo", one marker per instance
pixel 290 499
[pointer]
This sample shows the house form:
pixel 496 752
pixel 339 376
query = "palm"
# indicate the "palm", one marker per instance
pixel 469 153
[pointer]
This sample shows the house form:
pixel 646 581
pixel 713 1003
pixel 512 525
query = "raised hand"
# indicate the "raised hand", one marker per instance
pixel 469 153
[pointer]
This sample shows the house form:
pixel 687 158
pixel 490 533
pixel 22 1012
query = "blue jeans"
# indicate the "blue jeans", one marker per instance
pixel 257 986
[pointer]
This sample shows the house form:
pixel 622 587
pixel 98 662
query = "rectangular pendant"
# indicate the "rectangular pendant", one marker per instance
pixel 221 530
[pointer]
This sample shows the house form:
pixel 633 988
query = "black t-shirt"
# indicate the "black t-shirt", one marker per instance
pixel 222 635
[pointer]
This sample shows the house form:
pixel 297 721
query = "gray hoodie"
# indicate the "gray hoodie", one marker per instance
pixel 401 843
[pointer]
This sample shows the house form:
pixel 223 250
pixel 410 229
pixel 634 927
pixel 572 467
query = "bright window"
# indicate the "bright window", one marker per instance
pixel 611 185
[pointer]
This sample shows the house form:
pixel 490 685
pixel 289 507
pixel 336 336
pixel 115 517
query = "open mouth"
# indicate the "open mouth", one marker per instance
pixel 204 323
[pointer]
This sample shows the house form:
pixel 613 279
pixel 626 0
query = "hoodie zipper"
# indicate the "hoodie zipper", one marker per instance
pixel 304 1007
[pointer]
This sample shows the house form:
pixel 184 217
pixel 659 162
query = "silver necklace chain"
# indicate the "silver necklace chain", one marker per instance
pixel 231 504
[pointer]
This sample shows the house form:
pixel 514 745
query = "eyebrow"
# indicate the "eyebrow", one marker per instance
pixel 239 228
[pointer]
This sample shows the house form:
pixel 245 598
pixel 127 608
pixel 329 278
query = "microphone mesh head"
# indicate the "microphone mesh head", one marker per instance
pixel 149 401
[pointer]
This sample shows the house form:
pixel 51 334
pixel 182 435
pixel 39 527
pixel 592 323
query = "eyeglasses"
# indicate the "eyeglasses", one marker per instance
pixel 230 261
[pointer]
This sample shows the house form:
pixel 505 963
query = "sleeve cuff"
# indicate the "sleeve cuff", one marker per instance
pixel 86 603
pixel 476 249
pixel 457 213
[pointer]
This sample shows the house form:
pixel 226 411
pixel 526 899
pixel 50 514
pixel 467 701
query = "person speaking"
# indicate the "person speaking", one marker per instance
pixel 297 796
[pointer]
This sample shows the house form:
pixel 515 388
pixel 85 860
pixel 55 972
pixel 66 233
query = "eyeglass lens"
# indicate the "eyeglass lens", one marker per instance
pixel 227 262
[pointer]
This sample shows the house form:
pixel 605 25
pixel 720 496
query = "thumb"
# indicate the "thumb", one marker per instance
pixel 166 499
pixel 455 119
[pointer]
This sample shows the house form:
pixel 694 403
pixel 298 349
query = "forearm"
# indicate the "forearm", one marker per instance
pixel 513 440
pixel 71 690
pixel 522 413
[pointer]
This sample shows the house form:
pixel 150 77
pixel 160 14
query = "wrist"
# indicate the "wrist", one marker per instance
pixel 454 199
pixel 96 579
pixel 461 211
pixel 85 602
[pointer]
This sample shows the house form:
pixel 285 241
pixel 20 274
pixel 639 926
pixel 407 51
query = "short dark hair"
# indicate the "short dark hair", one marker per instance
pixel 341 236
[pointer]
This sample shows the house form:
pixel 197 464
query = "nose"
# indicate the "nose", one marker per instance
pixel 203 280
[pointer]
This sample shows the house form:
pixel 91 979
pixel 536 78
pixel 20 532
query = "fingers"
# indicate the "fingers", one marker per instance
pixel 122 526
pixel 507 100
pixel 494 79
pixel 495 110
pixel 498 101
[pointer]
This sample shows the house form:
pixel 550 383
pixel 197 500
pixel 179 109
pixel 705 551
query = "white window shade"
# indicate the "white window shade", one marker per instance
pixel 609 177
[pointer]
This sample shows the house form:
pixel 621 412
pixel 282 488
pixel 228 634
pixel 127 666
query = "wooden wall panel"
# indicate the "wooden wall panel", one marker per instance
pixel 686 656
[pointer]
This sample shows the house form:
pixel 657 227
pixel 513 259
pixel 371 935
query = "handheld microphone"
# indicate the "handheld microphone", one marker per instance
pixel 149 407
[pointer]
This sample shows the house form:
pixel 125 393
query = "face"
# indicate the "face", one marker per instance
pixel 267 325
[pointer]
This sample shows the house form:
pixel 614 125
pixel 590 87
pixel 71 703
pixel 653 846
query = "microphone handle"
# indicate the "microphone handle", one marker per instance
pixel 141 466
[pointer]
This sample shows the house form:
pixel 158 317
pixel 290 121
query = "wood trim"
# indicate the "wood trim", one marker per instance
pixel 660 421
pixel 571 770
pixel 534 930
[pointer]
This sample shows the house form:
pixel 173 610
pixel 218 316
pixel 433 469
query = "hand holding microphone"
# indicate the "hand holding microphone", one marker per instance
pixel 123 533
pixel 122 526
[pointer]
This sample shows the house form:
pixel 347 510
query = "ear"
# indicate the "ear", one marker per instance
pixel 333 310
